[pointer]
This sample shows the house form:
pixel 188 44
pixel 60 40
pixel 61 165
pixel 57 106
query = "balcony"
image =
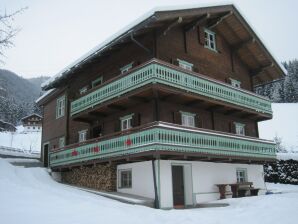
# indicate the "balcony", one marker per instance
pixel 157 72
pixel 167 139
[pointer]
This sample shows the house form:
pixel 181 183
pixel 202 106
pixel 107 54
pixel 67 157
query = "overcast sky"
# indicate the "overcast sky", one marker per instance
pixel 55 32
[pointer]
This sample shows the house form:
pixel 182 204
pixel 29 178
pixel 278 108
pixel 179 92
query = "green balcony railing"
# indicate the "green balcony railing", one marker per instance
pixel 165 137
pixel 157 72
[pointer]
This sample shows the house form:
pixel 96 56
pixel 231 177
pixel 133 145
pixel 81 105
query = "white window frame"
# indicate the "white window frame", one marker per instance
pixel 185 65
pixel 83 90
pixel 126 122
pixel 239 128
pixel 241 175
pixel 60 107
pixel 83 135
pixel 96 81
pixel 208 34
pixel 61 142
pixel 125 183
pixel 235 83
pixel 188 119
pixel 126 68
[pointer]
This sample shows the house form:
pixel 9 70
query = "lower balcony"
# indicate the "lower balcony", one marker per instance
pixel 165 140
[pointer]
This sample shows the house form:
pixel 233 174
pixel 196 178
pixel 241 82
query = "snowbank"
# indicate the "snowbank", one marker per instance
pixel 24 141
pixel 29 195
pixel 284 125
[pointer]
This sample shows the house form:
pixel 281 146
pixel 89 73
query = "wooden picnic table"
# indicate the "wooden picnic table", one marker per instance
pixel 238 189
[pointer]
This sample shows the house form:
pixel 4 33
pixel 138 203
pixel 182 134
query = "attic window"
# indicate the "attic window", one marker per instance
pixel 97 82
pixel 210 41
pixel 185 65
pixel 125 68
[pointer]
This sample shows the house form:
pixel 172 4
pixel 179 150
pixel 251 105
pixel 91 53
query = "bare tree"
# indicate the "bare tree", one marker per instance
pixel 7 30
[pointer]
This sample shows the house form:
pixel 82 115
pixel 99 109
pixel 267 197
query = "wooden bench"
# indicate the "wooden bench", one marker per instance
pixel 238 190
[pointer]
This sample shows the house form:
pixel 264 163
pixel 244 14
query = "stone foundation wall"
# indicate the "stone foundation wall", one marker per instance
pixel 100 177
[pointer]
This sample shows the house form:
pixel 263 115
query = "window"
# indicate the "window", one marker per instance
pixel 210 41
pixel 125 68
pixel 60 107
pixel 241 175
pixel 235 83
pixel 82 135
pixel 61 142
pixel 33 127
pixel 240 128
pixel 83 90
pixel 97 82
pixel 188 119
pixel 126 122
pixel 185 65
pixel 125 180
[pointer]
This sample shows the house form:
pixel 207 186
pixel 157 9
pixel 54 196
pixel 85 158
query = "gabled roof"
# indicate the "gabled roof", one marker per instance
pixel 31 115
pixel 225 19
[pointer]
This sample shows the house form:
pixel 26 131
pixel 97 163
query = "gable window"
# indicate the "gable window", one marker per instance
pixel 61 142
pixel 188 119
pixel 126 122
pixel 97 82
pixel 82 135
pixel 210 41
pixel 60 107
pixel 125 68
pixel 241 175
pixel 235 83
pixel 185 65
pixel 83 90
pixel 125 180
pixel 240 128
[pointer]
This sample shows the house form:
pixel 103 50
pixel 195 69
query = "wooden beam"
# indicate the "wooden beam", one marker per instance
pixel 193 24
pixel 139 99
pixel 116 107
pixel 242 44
pixel 193 102
pixel 231 112
pixel 215 108
pixel 261 69
pixel 84 120
pixel 173 24
pixel 220 19
pixel 97 114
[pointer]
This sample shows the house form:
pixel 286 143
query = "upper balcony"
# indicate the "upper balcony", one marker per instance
pixel 165 140
pixel 156 72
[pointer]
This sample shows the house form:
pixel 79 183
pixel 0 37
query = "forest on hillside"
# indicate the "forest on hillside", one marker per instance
pixel 18 95
pixel 284 90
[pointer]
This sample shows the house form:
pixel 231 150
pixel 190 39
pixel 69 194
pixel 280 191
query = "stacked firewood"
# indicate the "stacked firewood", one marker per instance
pixel 99 177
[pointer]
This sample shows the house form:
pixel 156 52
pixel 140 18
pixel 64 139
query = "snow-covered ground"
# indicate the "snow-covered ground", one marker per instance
pixel 284 124
pixel 29 195
pixel 20 140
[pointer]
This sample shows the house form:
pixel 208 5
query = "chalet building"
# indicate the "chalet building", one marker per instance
pixel 164 109
pixel 6 126
pixel 32 123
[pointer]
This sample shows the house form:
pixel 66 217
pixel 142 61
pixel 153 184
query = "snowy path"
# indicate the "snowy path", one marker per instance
pixel 29 195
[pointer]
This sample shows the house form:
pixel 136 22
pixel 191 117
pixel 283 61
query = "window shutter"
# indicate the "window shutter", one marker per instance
pixel 117 125
pixel 177 118
pixel 198 121
pixel 136 120
pixel 232 127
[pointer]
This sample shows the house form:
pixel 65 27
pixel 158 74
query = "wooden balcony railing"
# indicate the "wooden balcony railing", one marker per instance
pixel 160 136
pixel 156 71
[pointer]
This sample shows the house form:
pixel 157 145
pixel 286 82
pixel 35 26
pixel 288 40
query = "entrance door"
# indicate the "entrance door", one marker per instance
pixel 46 155
pixel 178 186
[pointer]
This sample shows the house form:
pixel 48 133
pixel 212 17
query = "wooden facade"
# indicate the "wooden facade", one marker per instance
pixel 154 48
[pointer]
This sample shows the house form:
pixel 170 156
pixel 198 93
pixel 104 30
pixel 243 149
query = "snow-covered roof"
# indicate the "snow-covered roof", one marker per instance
pixel 130 29
pixel 44 95
pixel 34 114
pixel 10 124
